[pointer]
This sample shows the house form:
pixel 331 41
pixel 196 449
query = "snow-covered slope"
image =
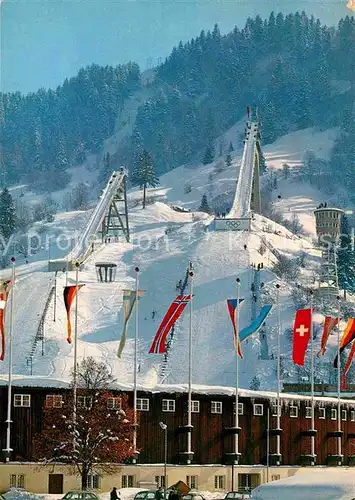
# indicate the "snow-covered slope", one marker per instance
pixel 163 243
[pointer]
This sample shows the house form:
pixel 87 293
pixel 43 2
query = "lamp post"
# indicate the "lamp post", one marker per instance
pixel 164 427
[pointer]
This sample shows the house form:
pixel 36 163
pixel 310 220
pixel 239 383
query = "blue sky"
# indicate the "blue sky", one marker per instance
pixel 45 41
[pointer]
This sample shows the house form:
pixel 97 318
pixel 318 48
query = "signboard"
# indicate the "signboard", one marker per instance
pixel 232 224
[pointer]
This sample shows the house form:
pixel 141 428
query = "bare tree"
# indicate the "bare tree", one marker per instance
pixel 93 375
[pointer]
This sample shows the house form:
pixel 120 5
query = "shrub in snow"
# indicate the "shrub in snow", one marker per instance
pixel 18 494
pixel 255 383
pixel 286 268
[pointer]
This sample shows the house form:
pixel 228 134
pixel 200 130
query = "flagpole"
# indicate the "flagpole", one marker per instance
pixel 75 346
pixel 189 399
pixel 278 423
pixel 236 442
pixel 135 370
pixel 339 384
pixel 313 456
pixel 8 449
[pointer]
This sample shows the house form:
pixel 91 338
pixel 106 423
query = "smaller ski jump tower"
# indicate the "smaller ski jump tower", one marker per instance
pixel 328 223
pixel 247 194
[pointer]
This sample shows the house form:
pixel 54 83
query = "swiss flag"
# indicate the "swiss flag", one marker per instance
pixel 301 335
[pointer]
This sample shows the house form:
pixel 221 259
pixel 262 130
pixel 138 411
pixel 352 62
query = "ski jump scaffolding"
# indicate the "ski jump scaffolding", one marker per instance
pixel 110 216
pixel 247 194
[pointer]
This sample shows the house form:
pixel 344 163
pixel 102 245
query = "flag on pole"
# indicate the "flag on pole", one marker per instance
pixel 4 292
pixel 69 295
pixel 347 366
pixel 172 315
pixel 348 336
pixel 351 5
pixel 301 335
pixel 329 324
pixel 232 308
pixel 256 324
pixel 129 301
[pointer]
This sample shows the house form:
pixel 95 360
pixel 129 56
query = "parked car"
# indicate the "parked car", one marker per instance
pixel 235 495
pixel 193 495
pixel 80 495
pixel 145 495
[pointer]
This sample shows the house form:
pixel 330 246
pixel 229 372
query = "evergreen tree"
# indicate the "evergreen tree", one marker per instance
pixel 209 155
pixel 228 160
pixel 230 147
pixel 204 207
pixel 144 174
pixel 7 214
pixel 255 383
pixel 262 163
pixel 346 258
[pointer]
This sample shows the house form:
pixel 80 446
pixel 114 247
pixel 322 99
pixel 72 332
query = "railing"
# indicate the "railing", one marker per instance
pixel 40 329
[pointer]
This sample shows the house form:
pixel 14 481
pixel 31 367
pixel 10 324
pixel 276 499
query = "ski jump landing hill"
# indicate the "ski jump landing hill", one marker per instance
pixel 247 194
pixel 108 215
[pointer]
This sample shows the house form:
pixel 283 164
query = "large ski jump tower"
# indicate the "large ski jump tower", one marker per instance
pixel 328 224
pixel 247 194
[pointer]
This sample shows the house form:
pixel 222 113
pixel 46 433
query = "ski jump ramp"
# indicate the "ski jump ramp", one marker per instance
pixel 247 194
pixel 101 220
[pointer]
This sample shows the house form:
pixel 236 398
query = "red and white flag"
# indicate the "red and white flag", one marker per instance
pixel 329 324
pixel 172 315
pixel 301 335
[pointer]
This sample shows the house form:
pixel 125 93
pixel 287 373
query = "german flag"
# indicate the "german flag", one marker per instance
pixel 348 336
pixel 347 367
pixel 4 293
pixel 69 295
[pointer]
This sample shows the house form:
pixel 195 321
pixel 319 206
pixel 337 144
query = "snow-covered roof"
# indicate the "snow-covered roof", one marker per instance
pixel 19 381
pixel 320 484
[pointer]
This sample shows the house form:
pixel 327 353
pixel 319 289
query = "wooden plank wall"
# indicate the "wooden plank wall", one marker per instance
pixel 210 441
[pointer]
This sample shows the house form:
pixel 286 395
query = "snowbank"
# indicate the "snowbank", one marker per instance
pixel 321 484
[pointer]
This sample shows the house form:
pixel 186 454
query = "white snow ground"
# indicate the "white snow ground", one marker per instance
pixel 163 242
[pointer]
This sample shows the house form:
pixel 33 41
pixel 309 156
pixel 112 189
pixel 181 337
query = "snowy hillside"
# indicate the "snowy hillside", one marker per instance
pixel 163 241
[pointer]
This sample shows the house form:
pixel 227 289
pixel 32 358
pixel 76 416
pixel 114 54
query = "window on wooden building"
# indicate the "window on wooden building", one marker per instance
pixel 142 405
pixel 127 481
pixel 258 410
pixel 168 405
pixel 114 403
pixel 308 410
pixel 274 410
pixel 17 481
pixel 84 402
pixel 195 407
pixel 321 413
pixel 54 401
pixel 344 415
pixel 220 482
pixel 22 400
pixel 293 411
pixel 240 408
pixel 333 414
pixel 275 477
pixel 352 415
pixel 93 482
pixel 216 406
pixel 191 482
pixel 160 481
